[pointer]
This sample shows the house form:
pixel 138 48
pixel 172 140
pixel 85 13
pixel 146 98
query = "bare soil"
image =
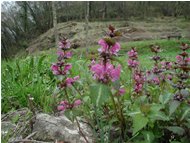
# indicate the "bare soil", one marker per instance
pixel 133 30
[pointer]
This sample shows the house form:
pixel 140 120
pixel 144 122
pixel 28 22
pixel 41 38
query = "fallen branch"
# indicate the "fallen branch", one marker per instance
pixel 30 135
pixel 28 141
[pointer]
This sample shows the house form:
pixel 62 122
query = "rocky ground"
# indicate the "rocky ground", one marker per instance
pixel 22 126
pixel 132 30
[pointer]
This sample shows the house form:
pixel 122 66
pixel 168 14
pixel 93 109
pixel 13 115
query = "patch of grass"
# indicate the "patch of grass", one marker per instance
pixel 32 74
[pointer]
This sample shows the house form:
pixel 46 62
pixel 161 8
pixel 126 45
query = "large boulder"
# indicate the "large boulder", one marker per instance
pixel 6 128
pixel 51 128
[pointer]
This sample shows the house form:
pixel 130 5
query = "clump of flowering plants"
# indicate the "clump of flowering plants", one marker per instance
pixel 150 106
pixel 62 69
pixel 158 101
pixel 107 74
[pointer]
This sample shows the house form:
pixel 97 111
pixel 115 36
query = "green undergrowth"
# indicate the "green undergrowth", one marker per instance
pixel 31 75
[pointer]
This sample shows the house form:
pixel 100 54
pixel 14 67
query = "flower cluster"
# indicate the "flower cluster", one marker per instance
pixel 62 68
pixel 155 76
pixel 64 105
pixel 138 75
pixel 104 71
pixel 108 47
pixel 182 66
pixel 133 58
pixel 139 79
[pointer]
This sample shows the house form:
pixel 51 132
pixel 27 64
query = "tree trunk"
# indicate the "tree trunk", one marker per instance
pixel 104 10
pixel 55 24
pixel 87 21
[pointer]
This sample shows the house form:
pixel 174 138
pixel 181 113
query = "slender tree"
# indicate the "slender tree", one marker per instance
pixel 87 26
pixel 55 24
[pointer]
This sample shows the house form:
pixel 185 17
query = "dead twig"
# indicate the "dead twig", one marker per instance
pixel 30 135
pixel 28 141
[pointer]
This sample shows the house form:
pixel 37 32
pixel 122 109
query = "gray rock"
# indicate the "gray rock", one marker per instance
pixel 51 128
pixel 7 127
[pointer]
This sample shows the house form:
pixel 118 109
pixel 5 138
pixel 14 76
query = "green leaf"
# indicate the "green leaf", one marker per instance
pixel 10 69
pixel 176 130
pixel 133 113
pixel 99 93
pixel 173 106
pixel 139 121
pixel 165 98
pixel 185 113
pixel 148 136
pixel 159 116
pixel 39 66
pixel 31 65
pixel 17 65
pixel 156 113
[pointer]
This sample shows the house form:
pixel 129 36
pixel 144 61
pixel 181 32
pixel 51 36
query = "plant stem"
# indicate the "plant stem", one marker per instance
pixel 119 118
pixel 81 130
pixel 75 118
pixel 122 119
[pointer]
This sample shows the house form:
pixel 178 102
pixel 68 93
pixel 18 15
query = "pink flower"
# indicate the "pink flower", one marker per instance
pixel 156 80
pixel 138 88
pixel 166 65
pixel 70 81
pixel 63 105
pixel 64 55
pixel 76 78
pixel 169 77
pixel 187 60
pixel 55 69
pixel 68 54
pixel 156 70
pixel 77 103
pixel 132 53
pixel 104 45
pixel 138 77
pixel 106 72
pixel 64 44
pixel 110 49
pixel 132 63
pixel 115 48
pixel 67 68
pixel 115 73
pixel 121 91
pixel 179 59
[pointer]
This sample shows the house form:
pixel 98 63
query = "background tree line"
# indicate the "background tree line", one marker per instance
pixel 25 20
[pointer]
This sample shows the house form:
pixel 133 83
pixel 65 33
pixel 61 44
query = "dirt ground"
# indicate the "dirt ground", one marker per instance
pixel 133 30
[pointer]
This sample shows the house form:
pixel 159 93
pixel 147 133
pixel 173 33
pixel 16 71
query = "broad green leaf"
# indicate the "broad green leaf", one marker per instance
pixel 176 130
pixel 148 136
pixel 99 93
pixel 159 116
pixel 156 107
pixel 165 98
pixel 134 113
pixel 145 108
pixel 139 121
pixel 173 106
pixel 185 113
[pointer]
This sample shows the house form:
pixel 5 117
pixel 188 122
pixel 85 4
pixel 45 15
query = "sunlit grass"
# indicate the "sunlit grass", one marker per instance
pixel 31 75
